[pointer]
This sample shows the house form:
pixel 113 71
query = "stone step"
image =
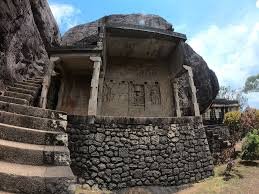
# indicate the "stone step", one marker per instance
pixel 22 90
pixel 39 77
pixel 33 81
pixel 30 179
pixel 32 122
pixel 14 100
pixel 3 192
pixel 32 111
pixel 31 154
pixel 29 83
pixel 32 136
pixel 19 95
pixel 24 86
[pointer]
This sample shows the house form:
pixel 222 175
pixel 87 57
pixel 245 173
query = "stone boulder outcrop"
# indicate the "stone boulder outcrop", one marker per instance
pixel 206 81
pixel 46 23
pixel 80 32
pixel 27 28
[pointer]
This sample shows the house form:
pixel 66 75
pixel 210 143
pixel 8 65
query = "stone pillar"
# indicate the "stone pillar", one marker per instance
pixel 193 88
pixel 92 107
pixel 176 97
pixel 47 81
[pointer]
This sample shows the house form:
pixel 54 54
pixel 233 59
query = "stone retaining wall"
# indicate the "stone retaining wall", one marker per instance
pixel 221 143
pixel 115 153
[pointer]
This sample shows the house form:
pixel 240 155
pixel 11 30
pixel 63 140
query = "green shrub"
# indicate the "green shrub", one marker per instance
pixel 232 119
pixel 250 147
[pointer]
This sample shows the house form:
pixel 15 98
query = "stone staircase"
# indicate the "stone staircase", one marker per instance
pixel 220 145
pixel 34 157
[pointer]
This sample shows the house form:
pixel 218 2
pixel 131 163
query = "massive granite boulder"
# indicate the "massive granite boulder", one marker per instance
pixel 27 28
pixel 80 32
pixel 46 23
pixel 206 81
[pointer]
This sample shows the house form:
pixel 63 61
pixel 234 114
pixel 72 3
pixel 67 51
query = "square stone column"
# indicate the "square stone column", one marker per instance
pixel 92 107
pixel 47 81
pixel 176 97
pixel 193 88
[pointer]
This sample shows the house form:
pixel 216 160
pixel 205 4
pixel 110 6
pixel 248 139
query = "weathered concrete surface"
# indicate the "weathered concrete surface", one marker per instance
pixel 24 28
pixel 205 79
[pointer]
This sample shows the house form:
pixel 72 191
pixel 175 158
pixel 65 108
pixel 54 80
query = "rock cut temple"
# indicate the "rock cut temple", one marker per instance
pixel 133 116
pixel 115 103
pixel 125 70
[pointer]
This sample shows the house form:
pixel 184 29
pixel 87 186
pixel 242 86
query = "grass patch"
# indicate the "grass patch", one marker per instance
pixel 93 190
pixel 242 179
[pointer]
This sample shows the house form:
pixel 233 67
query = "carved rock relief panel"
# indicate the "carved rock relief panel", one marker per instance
pixel 185 96
pixel 135 96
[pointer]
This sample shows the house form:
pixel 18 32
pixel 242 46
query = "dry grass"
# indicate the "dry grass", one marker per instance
pixel 89 190
pixel 244 179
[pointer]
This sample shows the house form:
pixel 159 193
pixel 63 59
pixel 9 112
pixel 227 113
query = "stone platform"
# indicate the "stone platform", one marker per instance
pixel 118 152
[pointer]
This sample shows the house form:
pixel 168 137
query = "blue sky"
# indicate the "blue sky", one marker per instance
pixel 224 32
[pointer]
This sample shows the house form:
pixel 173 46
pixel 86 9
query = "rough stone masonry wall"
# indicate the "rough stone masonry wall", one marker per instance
pixel 221 143
pixel 120 152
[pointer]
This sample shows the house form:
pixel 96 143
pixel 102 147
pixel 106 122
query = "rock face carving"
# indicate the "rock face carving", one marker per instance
pixel 27 28
pixel 205 79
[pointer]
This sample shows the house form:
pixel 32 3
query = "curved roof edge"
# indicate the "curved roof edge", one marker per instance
pixel 137 28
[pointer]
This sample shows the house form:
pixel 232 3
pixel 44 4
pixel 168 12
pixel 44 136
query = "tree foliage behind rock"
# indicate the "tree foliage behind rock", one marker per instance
pixel 249 120
pixel 226 92
pixel 240 124
pixel 252 84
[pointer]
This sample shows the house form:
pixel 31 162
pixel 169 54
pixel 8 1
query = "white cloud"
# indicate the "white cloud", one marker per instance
pixel 231 51
pixel 257 4
pixel 65 15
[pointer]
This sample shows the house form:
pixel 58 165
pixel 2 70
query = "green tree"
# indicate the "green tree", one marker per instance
pixel 233 94
pixel 252 84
